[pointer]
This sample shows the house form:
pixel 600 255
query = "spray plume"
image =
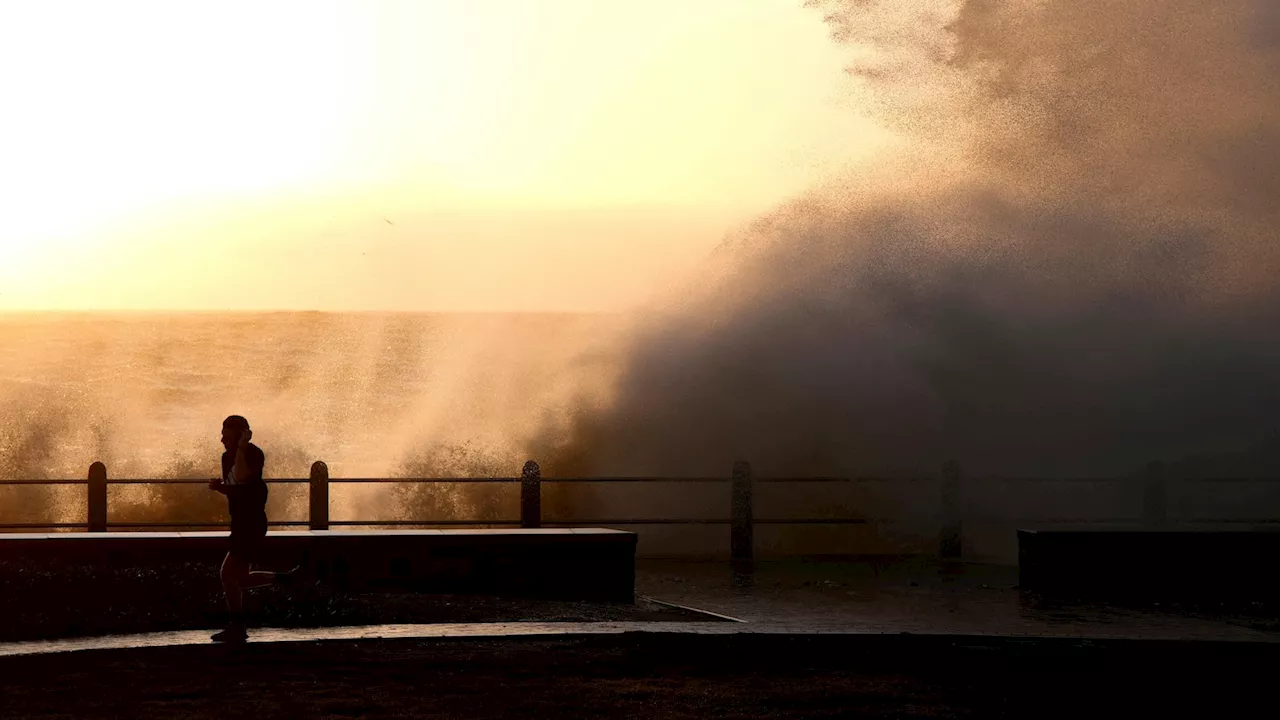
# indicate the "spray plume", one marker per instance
pixel 1069 269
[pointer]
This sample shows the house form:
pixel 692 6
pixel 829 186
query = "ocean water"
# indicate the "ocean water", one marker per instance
pixel 372 395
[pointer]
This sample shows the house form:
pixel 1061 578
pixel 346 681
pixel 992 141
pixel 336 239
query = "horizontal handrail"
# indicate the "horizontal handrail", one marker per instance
pixel 460 480
pixel 639 521
pixel 46 482
pixel 710 521
pixel 395 523
pixel 426 480
pixel 145 481
pixel 1160 485
pixel 400 523
pixel 637 479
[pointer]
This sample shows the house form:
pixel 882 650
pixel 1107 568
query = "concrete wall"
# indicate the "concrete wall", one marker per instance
pixel 904 516
pixel 899 516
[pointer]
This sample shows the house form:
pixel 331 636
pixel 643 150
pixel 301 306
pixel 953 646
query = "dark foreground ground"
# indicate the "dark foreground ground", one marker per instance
pixel 71 601
pixel 46 602
pixel 648 675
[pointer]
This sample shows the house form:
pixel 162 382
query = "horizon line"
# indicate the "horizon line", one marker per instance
pixel 292 311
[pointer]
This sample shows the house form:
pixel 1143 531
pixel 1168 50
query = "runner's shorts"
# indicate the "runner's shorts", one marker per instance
pixel 247 541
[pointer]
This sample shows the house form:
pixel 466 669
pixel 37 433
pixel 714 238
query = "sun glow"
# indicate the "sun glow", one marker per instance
pixel 136 133
pixel 115 106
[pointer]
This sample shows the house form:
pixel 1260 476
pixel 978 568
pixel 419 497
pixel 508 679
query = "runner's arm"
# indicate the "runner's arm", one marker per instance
pixel 248 465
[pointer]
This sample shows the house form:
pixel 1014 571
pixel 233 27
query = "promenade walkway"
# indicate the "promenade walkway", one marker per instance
pixel 917 597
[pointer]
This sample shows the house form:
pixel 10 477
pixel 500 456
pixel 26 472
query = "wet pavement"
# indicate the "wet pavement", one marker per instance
pixel 367 632
pixel 918 597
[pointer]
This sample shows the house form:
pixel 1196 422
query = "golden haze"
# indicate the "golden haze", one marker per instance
pixel 399 155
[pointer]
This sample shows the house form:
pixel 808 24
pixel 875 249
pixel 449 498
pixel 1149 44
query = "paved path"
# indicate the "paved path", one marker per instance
pixel 918 597
pixel 525 629
pixel 850 599
pixel 511 629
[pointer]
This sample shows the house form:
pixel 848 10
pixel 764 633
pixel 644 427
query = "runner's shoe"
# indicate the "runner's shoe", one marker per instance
pixel 232 634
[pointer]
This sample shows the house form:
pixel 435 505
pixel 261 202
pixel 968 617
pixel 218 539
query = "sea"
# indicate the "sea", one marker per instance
pixel 373 395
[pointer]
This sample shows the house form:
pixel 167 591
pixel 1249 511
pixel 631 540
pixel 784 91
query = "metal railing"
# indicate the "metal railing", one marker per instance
pixel 951 488
pixel 740 518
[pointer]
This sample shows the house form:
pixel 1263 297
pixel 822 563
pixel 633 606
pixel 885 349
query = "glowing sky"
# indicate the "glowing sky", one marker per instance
pixel 418 155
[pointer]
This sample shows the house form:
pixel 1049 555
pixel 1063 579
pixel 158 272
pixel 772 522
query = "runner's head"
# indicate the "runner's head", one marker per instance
pixel 231 429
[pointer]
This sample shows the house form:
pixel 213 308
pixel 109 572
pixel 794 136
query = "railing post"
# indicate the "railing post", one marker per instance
pixel 1155 496
pixel 531 495
pixel 97 497
pixel 741 533
pixel 319 497
pixel 950 534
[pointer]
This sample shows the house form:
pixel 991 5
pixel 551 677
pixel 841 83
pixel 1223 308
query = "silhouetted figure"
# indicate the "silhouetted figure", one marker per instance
pixel 246 493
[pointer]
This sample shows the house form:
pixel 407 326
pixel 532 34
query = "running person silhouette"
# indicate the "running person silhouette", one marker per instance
pixel 246 493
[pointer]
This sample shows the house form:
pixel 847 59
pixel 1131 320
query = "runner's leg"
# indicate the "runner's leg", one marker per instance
pixel 257 579
pixel 234 573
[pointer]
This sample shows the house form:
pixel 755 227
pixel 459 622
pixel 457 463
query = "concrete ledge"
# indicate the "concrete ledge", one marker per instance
pixel 564 563
pixel 1210 566
pixel 841 640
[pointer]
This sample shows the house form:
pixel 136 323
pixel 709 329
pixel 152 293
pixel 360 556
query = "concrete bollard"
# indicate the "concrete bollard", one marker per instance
pixel 319 497
pixel 950 534
pixel 531 495
pixel 1155 496
pixel 97 497
pixel 742 530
